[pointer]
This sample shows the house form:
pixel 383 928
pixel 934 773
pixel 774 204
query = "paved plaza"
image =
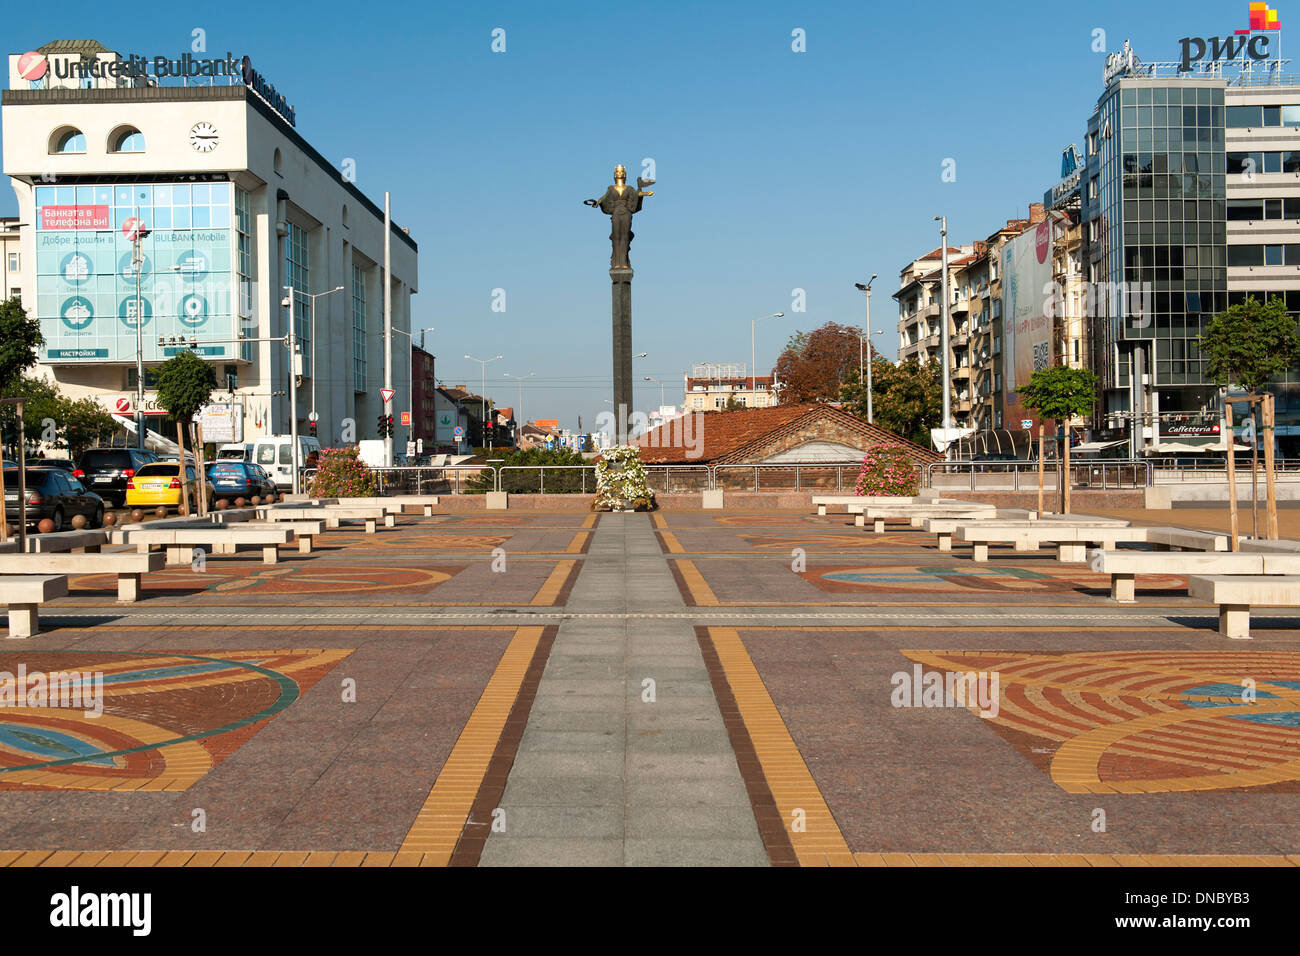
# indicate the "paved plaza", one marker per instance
pixel 675 688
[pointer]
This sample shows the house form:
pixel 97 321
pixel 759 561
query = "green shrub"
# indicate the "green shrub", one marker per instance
pixel 342 474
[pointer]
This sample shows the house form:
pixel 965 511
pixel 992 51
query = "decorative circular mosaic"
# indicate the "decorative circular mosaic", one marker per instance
pixel 997 576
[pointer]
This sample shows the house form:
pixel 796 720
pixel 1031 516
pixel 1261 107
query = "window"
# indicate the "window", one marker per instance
pixel 297 272
pixel 358 329
pixel 13 262
pixel 127 140
pixel 1240 117
pixel 719 403
pixel 68 141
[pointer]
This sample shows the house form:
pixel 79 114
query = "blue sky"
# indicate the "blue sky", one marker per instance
pixel 776 170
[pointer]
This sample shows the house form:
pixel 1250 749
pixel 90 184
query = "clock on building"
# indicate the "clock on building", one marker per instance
pixel 203 137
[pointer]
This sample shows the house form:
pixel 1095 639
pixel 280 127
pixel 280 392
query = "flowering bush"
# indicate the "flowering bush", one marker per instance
pixel 621 481
pixel 342 475
pixel 887 470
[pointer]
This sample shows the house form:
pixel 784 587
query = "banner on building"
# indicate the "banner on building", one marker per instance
pixel 1026 320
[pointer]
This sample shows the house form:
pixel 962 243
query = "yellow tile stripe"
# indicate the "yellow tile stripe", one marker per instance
pixel 550 589
pixel 695 583
pixel 674 546
pixel 438 825
pixel 819 841
pixel 575 546
pixel 590 521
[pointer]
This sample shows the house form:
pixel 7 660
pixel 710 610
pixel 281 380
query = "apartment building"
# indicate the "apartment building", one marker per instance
pixel 711 386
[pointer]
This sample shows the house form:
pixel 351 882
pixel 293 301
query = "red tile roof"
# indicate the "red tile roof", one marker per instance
pixel 721 436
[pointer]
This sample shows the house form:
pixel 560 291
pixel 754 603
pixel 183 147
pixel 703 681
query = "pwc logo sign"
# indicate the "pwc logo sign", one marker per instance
pixel 1253 42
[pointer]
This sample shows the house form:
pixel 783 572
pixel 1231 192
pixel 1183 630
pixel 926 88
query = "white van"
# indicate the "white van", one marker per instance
pixel 275 454
pixel 237 452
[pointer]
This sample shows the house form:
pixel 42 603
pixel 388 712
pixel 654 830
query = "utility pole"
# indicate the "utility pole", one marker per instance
pixel 943 333
pixel 866 331
pixel 138 234
pixel 388 324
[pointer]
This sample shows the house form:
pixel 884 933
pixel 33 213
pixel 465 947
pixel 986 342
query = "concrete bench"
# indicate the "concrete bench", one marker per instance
pixel 824 501
pixel 180 542
pixel 304 531
pixel 943 528
pixel 1124 566
pixel 333 515
pixel 1237 594
pixel 24 594
pixel 878 513
pixel 1186 539
pixel 1268 547
pixel 1071 539
pixel 424 502
pixel 57 541
pixel 127 567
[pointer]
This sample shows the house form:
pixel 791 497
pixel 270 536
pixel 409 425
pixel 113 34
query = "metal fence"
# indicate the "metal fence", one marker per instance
pixel 425 480
pixel 836 477
pixel 532 479
pixel 1023 475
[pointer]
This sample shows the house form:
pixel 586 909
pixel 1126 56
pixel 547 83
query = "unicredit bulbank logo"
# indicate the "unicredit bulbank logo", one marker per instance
pixel 1043 240
pixel 1252 43
pixel 33 66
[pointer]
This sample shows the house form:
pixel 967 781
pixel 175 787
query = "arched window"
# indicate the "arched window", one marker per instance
pixel 346 218
pixel 277 162
pixel 128 139
pixel 68 140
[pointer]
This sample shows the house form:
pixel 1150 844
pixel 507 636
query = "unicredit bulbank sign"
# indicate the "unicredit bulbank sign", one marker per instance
pixel 38 69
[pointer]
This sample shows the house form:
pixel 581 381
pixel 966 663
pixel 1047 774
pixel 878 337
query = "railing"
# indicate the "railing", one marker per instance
pixel 836 476
pixel 531 479
pixel 1182 470
pixel 666 479
pixel 425 479
pixel 1023 475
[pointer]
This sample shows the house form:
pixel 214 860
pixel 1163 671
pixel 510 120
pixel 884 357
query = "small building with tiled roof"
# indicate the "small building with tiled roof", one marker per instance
pixel 783 434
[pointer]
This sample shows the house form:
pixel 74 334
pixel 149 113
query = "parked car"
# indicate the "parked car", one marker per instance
pixel 275 454
pixel 240 479
pixel 55 494
pixel 107 470
pixel 66 464
pixel 159 483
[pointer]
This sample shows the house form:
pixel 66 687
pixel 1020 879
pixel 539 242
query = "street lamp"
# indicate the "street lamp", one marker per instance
pixel 752 360
pixel 482 387
pixel 519 407
pixel 139 232
pixel 866 327
pixel 337 288
pixel 661 388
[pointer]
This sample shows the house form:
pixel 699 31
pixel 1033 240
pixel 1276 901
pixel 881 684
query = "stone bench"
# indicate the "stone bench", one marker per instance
pixel 879 513
pixel 1186 539
pixel 332 515
pixel 1071 539
pixel 424 502
pixel 1124 566
pixel 834 501
pixel 57 541
pixel 128 567
pixel 1268 547
pixel 1237 594
pixel 180 542
pixel 943 528
pixel 24 594
pixel 304 531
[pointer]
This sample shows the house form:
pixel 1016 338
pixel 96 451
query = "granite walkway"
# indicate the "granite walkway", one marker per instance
pixel 625 758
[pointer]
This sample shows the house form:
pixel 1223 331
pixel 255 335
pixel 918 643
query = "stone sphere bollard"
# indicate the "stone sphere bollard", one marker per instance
pixel 78 522
pixel 255 501
pixel 240 502
pixel 182 511
pixel 137 515
pixel 45 526
pixel 160 511
pixel 222 504
pixel 110 519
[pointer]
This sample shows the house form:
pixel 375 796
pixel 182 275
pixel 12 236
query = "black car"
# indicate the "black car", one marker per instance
pixel 106 470
pixel 239 479
pixel 53 493
pixel 66 464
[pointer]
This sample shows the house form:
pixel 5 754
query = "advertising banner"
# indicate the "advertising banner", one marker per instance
pixel 86 282
pixel 222 423
pixel 1026 324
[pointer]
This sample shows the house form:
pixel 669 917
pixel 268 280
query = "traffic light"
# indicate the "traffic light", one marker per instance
pixel 389 427
pixel 313 429
pixel 383 426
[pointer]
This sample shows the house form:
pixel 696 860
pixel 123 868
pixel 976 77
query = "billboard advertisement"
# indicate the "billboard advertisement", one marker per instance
pixel 86 282
pixel 1026 322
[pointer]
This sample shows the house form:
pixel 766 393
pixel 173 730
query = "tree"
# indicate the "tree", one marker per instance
pixel 815 364
pixel 1061 394
pixel 185 384
pixel 20 337
pixel 1250 343
pixel 907 398
pixel 51 417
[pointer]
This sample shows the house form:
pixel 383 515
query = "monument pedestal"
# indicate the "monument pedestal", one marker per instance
pixel 621 288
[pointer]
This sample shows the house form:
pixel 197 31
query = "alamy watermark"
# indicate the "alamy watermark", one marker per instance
pixel 73 690
pixel 950 689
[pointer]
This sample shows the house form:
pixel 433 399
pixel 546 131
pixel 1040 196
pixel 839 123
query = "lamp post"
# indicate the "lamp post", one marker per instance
pixel 752 360
pixel 661 388
pixel 291 341
pixel 337 288
pixel 943 328
pixel 866 327
pixel 482 388
pixel 519 406
pixel 138 234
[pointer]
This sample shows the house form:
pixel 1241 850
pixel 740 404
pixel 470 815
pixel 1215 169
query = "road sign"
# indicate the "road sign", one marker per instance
pixel 313 417
pixel 406 418
pixel 410 449
pixel 459 432
pixel 419 446
pixel 387 394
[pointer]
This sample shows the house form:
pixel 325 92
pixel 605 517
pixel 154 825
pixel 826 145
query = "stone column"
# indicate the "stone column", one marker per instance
pixel 621 286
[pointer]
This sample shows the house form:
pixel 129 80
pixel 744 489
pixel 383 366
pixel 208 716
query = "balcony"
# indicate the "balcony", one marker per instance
pixel 962 404
pixel 961 371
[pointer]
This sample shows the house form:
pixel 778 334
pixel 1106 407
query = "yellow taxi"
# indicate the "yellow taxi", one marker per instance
pixel 160 484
